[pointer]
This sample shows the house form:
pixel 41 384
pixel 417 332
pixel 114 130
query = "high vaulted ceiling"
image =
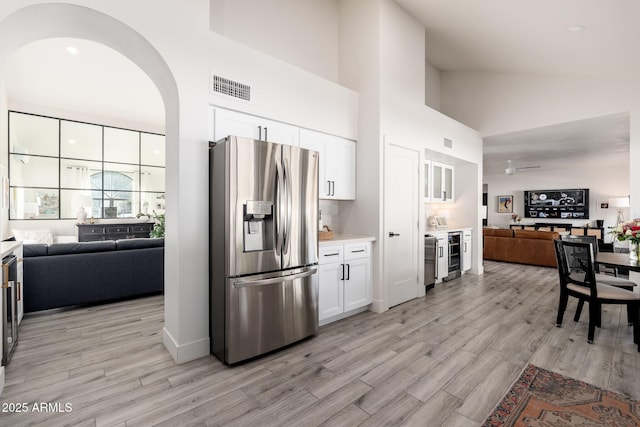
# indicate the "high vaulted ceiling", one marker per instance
pixel 553 147
pixel 531 36
pixel 527 36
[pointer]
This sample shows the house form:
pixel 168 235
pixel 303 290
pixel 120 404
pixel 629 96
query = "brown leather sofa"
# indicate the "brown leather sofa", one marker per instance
pixel 520 246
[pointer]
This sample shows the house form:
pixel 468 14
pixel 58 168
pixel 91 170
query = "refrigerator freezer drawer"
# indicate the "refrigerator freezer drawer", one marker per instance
pixel 265 313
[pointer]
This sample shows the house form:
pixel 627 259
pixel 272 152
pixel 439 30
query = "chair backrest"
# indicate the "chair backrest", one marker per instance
pixel 576 264
pixel 593 240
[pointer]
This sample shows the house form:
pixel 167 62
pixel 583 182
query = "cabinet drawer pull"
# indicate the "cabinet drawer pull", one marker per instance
pixel 359 250
pixel 336 254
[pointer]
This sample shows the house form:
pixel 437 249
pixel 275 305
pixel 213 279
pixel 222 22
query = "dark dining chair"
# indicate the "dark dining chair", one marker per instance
pixel 577 276
pixel 601 277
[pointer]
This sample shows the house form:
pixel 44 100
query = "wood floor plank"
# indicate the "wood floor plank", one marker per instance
pixel 484 397
pixel 427 385
pixel 435 411
pixel 350 416
pixel 330 406
pixel 395 385
pixel 443 359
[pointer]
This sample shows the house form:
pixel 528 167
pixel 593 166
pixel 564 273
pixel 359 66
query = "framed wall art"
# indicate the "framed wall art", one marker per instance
pixel 505 204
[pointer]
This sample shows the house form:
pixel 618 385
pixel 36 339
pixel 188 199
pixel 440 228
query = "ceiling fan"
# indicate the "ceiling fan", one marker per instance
pixel 510 170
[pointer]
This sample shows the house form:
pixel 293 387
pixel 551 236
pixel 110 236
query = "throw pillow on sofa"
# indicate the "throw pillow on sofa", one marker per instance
pixel 33 236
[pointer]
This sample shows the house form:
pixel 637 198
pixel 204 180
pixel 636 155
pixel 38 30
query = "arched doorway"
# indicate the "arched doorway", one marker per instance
pixel 65 20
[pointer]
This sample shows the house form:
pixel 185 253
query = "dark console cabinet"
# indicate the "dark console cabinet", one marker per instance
pixel 93 232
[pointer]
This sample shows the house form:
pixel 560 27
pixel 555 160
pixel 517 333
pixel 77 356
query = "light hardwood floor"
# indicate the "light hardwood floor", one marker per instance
pixel 445 359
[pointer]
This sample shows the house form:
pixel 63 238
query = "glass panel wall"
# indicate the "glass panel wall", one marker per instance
pixel 57 166
pixel 80 140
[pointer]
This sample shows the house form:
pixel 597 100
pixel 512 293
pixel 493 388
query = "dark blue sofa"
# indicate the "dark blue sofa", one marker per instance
pixel 66 274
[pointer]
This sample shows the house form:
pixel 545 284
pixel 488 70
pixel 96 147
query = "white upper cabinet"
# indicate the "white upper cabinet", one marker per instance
pixel 228 122
pixel 337 169
pixel 317 141
pixel 442 183
pixel 341 168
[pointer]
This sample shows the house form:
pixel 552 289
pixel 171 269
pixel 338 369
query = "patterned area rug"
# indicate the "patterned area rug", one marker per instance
pixel 541 398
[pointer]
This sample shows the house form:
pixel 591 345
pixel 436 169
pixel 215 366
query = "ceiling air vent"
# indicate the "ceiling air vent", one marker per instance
pixel 448 143
pixel 230 88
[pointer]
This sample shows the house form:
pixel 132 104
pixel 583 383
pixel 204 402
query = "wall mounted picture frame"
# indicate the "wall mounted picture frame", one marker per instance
pixel 505 204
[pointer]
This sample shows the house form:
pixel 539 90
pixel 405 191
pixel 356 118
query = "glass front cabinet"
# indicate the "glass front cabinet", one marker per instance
pixel 438 182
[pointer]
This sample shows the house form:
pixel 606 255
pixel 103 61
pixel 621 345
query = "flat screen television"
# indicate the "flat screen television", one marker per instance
pixel 557 204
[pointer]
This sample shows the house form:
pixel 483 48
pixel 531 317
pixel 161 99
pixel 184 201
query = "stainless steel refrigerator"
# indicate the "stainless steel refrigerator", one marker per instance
pixel 263 249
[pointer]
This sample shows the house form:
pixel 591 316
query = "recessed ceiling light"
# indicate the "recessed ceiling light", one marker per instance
pixel 576 28
pixel 72 50
pixel 156 151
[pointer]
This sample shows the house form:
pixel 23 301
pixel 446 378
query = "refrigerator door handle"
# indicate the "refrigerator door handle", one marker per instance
pixel 279 221
pixel 288 206
pixel 271 281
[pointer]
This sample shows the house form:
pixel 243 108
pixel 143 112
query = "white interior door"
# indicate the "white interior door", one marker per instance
pixel 402 193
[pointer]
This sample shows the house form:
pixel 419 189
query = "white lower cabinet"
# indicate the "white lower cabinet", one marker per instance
pixel 466 250
pixel 442 256
pixel 344 280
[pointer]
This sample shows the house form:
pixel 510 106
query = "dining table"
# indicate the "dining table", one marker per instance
pixel 617 260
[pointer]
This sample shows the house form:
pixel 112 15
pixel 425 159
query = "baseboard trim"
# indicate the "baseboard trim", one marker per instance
pixel 378 306
pixel 343 315
pixel 186 352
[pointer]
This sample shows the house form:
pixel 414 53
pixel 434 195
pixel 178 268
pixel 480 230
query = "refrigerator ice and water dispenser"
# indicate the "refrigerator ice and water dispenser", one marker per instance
pixel 258 225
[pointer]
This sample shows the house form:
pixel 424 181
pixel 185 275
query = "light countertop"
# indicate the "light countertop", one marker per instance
pixel 432 230
pixel 340 239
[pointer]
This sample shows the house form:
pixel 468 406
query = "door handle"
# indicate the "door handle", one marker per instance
pixel 393 234
pixel 441 251
pixel 266 135
pixel 328 188
pixel 260 133
pixel 342 265
pixel 348 271
pixel 264 282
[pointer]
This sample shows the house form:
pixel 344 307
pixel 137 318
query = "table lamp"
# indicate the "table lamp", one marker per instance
pixel 619 203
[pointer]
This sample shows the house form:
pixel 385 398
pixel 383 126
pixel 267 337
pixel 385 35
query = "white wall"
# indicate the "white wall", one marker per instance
pixel 359 70
pixel 432 86
pixel 407 121
pixel 302 33
pixel 602 184
pixel 383 58
pixel 171 41
pixel 496 103
pixel 4 156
